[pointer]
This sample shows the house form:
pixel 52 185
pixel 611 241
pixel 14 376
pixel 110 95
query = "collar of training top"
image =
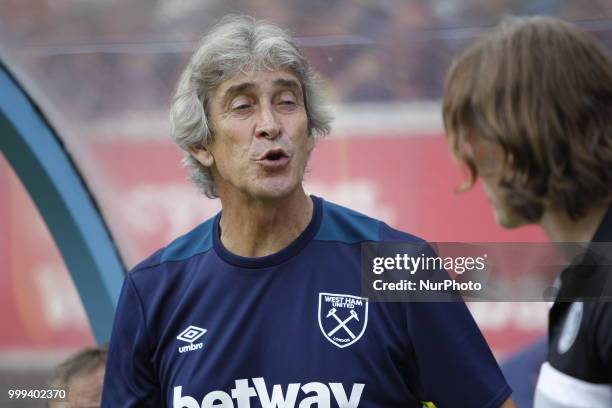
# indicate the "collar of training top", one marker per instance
pixel 588 277
pixel 279 257
pixel 604 231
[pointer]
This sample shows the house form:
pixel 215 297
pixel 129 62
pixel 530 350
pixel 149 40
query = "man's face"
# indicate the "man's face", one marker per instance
pixel 260 142
pixel 489 159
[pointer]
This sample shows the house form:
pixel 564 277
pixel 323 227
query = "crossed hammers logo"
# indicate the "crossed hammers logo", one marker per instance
pixel 342 323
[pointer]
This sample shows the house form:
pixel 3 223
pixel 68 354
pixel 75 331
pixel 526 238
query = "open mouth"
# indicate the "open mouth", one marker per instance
pixel 274 158
pixel 274 155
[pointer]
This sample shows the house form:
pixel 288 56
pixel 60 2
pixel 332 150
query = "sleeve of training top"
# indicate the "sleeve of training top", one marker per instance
pixel 129 380
pixel 456 366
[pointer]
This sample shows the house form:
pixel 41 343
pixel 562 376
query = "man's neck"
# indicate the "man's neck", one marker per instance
pixel 254 228
pixel 559 227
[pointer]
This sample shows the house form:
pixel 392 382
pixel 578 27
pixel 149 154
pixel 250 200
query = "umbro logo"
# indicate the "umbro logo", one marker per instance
pixel 189 335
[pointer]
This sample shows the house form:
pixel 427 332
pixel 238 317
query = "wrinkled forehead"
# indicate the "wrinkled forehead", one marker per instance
pixel 254 80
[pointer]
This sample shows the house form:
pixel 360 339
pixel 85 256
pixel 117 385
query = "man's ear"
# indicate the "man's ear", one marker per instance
pixel 310 143
pixel 203 155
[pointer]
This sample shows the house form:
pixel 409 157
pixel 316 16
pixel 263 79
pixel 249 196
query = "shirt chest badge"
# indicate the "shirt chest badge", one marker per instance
pixel 342 318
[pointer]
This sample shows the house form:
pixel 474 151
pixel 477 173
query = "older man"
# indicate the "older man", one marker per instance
pixel 261 304
pixel 528 108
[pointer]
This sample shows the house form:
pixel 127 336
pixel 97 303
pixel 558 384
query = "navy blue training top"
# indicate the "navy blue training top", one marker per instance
pixel 197 326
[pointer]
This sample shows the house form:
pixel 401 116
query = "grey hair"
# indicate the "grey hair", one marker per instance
pixel 237 44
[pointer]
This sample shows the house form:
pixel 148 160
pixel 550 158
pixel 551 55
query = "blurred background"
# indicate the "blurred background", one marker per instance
pixel 103 73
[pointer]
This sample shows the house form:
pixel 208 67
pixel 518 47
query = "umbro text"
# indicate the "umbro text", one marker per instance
pixel 190 347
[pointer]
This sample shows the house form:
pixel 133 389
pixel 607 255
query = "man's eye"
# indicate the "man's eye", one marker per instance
pixel 241 107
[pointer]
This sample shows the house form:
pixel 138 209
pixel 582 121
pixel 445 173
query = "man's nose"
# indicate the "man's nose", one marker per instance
pixel 268 125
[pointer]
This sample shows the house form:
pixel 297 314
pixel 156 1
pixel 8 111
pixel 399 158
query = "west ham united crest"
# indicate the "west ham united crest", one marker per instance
pixel 342 318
